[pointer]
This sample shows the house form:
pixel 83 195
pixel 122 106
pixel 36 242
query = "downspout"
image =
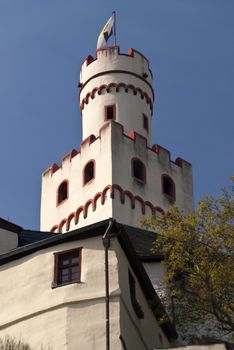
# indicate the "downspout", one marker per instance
pixel 106 244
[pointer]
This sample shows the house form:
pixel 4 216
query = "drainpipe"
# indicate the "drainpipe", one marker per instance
pixel 106 244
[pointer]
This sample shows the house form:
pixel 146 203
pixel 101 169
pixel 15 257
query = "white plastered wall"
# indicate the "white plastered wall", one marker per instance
pixel 157 164
pixel 113 67
pixel 113 153
pixel 138 334
pixel 78 195
pixel 129 112
pixel 8 240
pixel 156 272
pixel 74 314
pixel 65 316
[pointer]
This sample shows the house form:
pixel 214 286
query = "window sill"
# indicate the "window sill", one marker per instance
pixel 55 285
pixel 60 203
pixel 139 181
pixel 88 182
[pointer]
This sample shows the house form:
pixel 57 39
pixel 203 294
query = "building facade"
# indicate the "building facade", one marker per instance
pixel 81 281
pixel 117 172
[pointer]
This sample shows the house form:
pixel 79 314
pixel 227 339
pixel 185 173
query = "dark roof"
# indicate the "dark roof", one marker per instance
pixel 9 226
pixel 130 240
pixel 27 237
pixel 142 241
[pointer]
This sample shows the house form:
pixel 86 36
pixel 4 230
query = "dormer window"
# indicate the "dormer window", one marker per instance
pixel 62 192
pixel 168 187
pixel 145 123
pixel 110 112
pixel 88 172
pixel 138 170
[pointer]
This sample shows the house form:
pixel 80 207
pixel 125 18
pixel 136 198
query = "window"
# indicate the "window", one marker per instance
pixel 168 187
pixel 145 123
pixel 138 170
pixel 67 267
pixel 62 192
pixel 110 112
pixel 88 173
pixel 136 306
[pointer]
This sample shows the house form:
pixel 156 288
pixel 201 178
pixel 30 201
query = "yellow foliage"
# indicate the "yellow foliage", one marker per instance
pixel 198 253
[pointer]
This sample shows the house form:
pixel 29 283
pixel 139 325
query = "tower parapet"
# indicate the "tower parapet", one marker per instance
pixel 117 172
pixel 116 86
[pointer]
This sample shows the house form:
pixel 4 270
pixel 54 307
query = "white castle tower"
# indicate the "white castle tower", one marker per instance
pixel 117 173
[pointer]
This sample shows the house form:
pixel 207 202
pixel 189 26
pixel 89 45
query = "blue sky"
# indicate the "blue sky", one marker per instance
pixel 190 45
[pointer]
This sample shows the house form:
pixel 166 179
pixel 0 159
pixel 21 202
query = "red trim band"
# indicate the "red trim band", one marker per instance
pixel 117 86
pixel 112 189
pixel 116 71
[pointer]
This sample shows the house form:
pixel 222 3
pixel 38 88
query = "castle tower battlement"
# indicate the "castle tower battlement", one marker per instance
pixel 118 86
pixel 117 173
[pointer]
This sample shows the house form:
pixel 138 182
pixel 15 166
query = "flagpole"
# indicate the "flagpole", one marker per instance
pixel 114 13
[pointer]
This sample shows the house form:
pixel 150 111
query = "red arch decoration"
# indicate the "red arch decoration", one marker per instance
pixel 69 219
pixel 126 87
pixel 112 188
pixel 132 198
pixel 150 205
pixel 54 228
pixel 61 224
pixel 95 198
pixel 86 207
pixel 77 213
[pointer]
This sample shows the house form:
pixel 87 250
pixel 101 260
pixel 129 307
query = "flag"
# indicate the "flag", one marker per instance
pixel 106 32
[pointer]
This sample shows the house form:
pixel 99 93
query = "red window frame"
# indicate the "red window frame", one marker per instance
pixel 61 198
pixel 142 177
pixel 85 180
pixel 168 182
pixel 67 267
pixel 113 107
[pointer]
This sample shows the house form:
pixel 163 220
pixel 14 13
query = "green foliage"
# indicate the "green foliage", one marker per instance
pixel 199 257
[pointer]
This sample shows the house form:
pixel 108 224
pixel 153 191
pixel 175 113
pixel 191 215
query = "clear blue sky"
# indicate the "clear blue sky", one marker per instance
pixel 190 45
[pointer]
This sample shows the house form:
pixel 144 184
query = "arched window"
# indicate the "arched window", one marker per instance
pixel 138 170
pixel 62 192
pixel 88 172
pixel 168 187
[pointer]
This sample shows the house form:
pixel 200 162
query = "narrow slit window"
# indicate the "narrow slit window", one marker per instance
pixel 145 123
pixel 110 112
pixel 89 172
pixel 62 193
pixel 138 170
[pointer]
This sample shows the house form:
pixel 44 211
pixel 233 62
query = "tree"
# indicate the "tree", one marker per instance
pixel 198 250
pixel 9 343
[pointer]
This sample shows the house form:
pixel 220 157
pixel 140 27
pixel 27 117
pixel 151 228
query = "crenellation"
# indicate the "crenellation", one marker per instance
pixel 88 141
pixel 117 172
pixel 51 170
pixel 69 155
pixel 182 163
pixel 138 138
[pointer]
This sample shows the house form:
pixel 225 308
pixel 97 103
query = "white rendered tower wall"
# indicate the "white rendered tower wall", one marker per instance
pixel 116 101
